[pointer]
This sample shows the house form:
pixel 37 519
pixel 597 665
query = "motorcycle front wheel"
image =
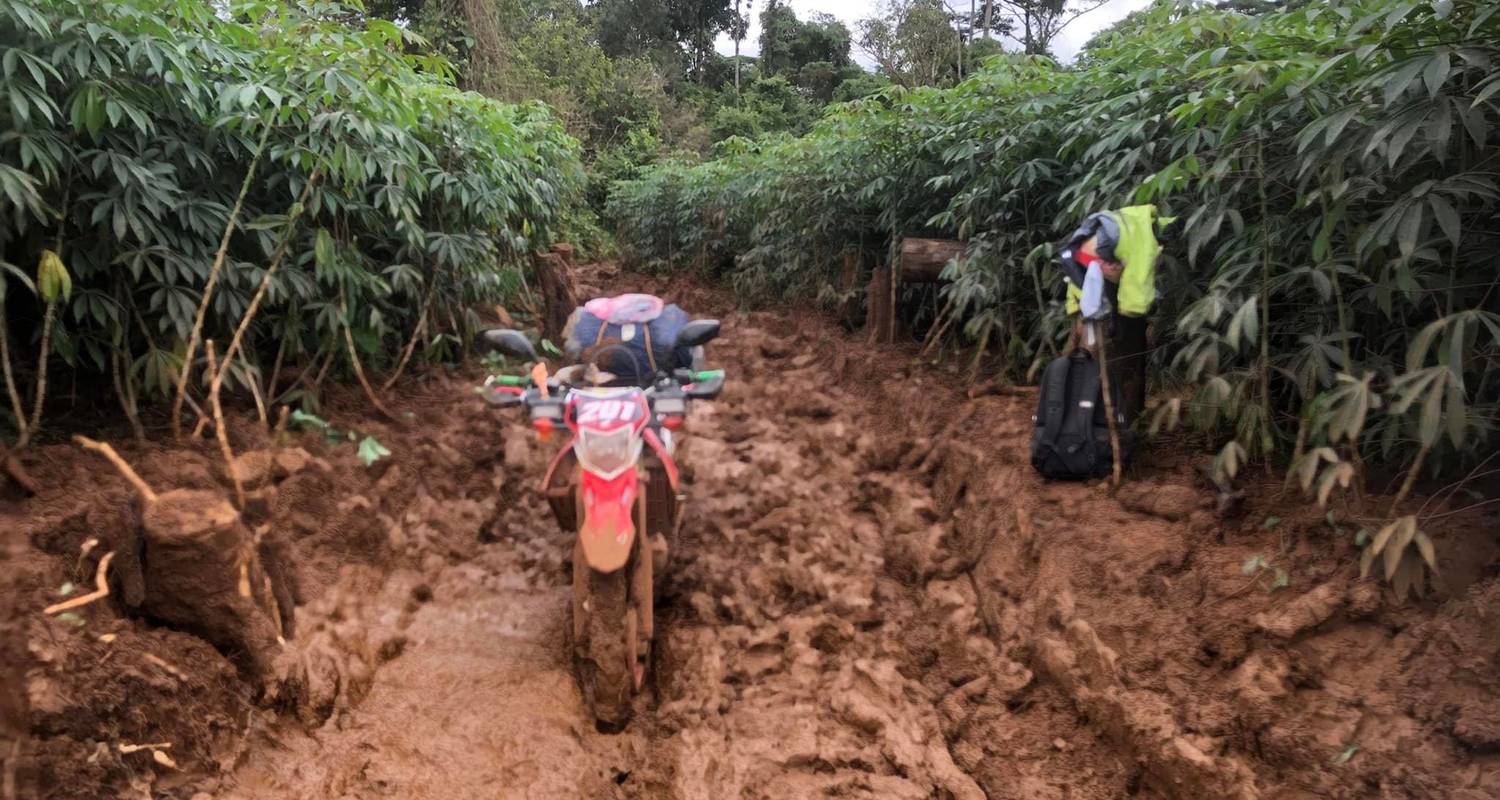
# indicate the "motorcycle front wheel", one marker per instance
pixel 603 624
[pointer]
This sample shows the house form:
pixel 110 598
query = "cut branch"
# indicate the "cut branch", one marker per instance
pixel 220 431
pixel 103 449
pixel 101 588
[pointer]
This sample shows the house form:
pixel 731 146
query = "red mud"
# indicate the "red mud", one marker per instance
pixel 875 597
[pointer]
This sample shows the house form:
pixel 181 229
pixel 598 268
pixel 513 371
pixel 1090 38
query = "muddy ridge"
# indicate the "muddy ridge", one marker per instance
pixel 874 596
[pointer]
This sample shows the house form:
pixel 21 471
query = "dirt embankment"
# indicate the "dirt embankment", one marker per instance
pixel 874 597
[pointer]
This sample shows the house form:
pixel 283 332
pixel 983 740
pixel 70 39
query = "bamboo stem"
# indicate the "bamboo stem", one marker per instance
pixel 129 473
pixel 213 280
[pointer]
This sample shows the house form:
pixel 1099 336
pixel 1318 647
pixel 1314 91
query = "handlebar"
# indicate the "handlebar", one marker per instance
pixel 511 390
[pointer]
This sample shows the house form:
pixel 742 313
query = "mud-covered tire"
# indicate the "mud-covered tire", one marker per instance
pixel 604 668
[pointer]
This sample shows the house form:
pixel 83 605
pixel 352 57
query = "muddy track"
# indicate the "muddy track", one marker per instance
pixel 874 597
pixel 781 664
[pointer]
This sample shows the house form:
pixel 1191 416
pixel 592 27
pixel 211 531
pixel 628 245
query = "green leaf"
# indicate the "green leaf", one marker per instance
pixel 301 418
pixel 1447 217
pixel 1436 72
pixel 371 451
pixel 323 250
pixel 1271 523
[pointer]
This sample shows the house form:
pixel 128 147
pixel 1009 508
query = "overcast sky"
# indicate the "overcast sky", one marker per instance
pixel 850 11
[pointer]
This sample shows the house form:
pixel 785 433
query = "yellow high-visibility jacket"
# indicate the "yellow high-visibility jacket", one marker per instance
pixel 1135 247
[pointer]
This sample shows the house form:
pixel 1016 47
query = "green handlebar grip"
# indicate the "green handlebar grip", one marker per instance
pixel 513 380
pixel 707 375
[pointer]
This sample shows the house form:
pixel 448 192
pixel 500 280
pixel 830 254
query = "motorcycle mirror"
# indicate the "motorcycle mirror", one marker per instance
pixel 698 332
pixel 509 342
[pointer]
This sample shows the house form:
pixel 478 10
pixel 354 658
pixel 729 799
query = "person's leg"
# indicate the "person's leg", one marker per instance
pixel 1127 363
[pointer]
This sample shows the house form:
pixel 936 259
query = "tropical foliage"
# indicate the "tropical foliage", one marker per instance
pixel 278 176
pixel 1334 299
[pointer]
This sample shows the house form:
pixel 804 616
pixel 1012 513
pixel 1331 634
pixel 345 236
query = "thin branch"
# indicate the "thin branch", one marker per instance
pixel 359 370
pixel 10 381
pixel 220 431
pixel 265 280
pixel 213 280
pixel 129 473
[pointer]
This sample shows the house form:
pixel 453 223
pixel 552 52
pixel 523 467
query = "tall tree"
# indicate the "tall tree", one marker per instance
pixel 1036 23
pixel 788 44
pixel 740 28
pixel 913 42
pixel 696 23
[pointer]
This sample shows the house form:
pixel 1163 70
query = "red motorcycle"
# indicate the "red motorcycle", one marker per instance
pixel 614 482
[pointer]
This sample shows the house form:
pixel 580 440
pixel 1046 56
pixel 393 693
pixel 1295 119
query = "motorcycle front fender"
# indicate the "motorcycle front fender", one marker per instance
pixel 607 530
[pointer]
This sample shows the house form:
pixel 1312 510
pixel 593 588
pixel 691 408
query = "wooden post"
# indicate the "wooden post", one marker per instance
pixel 1109 402
pixel 881 310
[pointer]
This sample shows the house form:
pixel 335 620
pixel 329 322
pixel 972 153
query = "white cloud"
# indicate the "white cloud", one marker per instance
pixel 1068 43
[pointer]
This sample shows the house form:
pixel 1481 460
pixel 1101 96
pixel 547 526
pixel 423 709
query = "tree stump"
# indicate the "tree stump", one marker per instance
pixel 554 280
pixel 203 572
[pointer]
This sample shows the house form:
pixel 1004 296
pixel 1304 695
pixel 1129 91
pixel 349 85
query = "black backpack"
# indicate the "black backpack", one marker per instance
pixel 1072 431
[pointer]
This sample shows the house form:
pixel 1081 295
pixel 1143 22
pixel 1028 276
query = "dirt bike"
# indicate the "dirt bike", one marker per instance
pixel 615 482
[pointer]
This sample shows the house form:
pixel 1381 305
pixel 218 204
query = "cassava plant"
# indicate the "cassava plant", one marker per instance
pixel 1334 301
pixel 282 176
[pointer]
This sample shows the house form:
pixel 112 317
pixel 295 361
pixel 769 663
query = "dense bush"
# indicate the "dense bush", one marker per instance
pixel 1334 298
pixel 180 156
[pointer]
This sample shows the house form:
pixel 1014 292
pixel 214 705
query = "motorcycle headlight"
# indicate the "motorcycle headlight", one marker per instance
pixel 608 454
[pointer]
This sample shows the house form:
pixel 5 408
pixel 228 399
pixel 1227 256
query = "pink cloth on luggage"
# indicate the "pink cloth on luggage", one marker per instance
pixel 626 308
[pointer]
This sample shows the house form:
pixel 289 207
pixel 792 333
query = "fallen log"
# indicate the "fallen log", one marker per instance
pixel 923 260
